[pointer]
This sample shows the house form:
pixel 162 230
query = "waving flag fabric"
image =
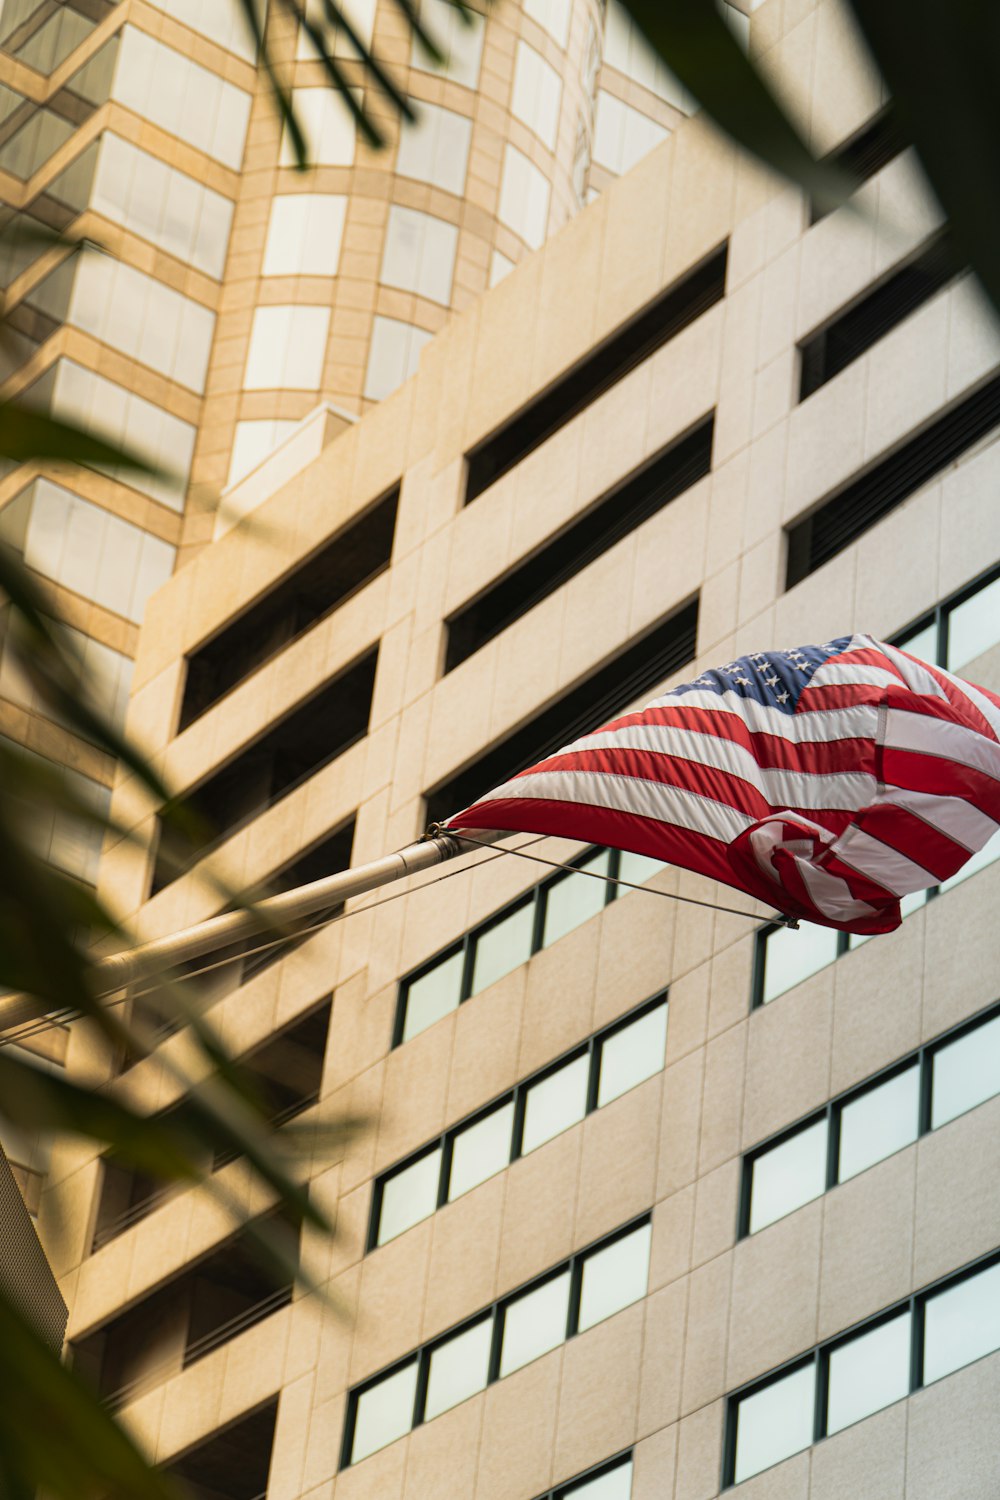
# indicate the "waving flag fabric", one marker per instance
pixel 828 780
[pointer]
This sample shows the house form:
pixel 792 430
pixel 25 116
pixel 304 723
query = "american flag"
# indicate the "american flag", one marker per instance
pixel 827 781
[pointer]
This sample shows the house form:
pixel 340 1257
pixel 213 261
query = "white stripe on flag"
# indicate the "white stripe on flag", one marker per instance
pixel 881 863
pixel 814 724
pixel 906 730
pixel 957 819
pixel 627 794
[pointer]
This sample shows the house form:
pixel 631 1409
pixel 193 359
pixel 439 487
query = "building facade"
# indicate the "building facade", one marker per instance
pixel 655 1200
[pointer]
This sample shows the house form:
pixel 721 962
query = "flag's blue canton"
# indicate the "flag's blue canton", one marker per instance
pixel 774 678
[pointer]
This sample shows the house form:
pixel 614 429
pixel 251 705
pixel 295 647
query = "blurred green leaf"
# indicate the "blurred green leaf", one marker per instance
pixel 26 434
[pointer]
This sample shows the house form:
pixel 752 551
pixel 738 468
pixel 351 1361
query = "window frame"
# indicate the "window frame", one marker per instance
pixel 819 1357
pixel 832 1111
pixel 496 1312
pixel 590 1046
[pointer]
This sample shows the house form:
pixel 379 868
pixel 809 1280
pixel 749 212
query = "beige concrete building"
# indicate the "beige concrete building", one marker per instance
pixel 655 1201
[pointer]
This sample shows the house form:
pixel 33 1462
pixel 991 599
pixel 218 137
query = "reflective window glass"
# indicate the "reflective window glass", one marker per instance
pixel 961 1324
pixel 524 198
pixel 458 1368
pixel 503 947
pixel 360 14
pixel 53 41
pixel 973 627
pixel 419 254
pixel 614 1484
pixel 775 1422
pixel 384 1412
pixel 535 1323
pixel 459 38
pixel 880 1121
pixel 637 868
pixel 869 1372
pixel 287 347
pixel 500 266
pixel 393 356
pixel 535 94
pixel 435 148
pixel 574 899
pixel 622 135
pixel 86 549
pixel 107 673
pixel 965 1072
pixel 327 125
pixel 434 994
pixel 182 97
pixel 553 15
pixel 632 1054
pixel 975 863
pixel 481 1150
pixel 70 844
pixel 304 235
pixel 792 955
pixel 615 1277
pixel 224 24
pixel 923 644
pixel 254 441
pixel 409 1196
pixel 555 1103
pixel 788 1175
pixel 30 147
pixel 163 205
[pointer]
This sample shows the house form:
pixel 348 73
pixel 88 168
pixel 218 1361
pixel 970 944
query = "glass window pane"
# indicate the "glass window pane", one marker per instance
pixel 975 863
pixel 328 127
pixel 965 1072
pixel 393 356
pixel 793 955
pixel 632 1054
pixel 973 627
pixel 419 253
pixel 503 947
pixel 536 93
pixel 555 1103
pixel 459 1368
pixel 460 41
pixel 788 1175
pixel 535 1323
pixel 962 1324
pixel 615 1277
pixel 869 1372
pixel 409 1196
pixel 879 1122
pixel 385 1412
pixel 481 1150
pixel 524 198
pixel 435 148
pixel 287 345
pixel 553 15
pixel 774 1423
pixel 573 899
pixel 615 1484
pixel 304 235
pixel 637 868
pixel 434 994
pixel 923 644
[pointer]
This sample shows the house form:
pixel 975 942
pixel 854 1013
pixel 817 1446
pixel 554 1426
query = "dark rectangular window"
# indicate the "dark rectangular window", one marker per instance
pixel 830 350
pixel 626 348
pixel 616 514
pixel 636 670
pixel 308 737
pixel 842 518
pixel 182 1320
pixel 232 1464
pixel 352 558
pixel 864 154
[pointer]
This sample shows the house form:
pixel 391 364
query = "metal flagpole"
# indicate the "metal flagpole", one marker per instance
pixel 289 909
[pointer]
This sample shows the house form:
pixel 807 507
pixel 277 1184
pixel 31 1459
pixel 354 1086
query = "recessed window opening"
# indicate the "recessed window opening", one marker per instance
pixel 598 1071
pixel 854 330
pixel 232 1464
pixel 640 337
pixel 615 515
pixel 289 751
pixel 864 154
pixel 637 669
pixel 591 1286
pixel 611 1480
pixel 935 1084
pixel 848 513
pixel 342 566
pixel 181 1320
pixel 510 936
pixel 938 1330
